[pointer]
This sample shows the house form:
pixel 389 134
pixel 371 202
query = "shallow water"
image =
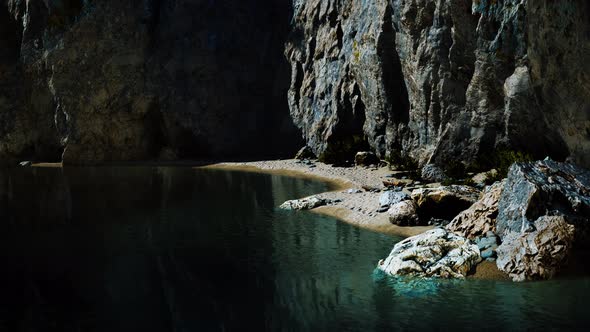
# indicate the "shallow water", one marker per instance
pixel 177 249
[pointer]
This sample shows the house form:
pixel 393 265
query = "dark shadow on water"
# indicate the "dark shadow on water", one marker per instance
pixel 182 249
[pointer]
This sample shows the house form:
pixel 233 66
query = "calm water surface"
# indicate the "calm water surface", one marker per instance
pixel 177 249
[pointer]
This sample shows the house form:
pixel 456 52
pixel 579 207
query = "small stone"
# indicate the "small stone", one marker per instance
pixel 488 253
pixel 25 163
pixel 486 242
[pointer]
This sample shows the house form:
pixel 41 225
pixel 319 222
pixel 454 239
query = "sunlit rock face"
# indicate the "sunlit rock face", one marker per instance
pixel 439 81
pixel 126 80
pixel 435 253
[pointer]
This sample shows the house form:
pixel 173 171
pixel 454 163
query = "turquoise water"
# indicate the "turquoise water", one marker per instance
pixel 178 249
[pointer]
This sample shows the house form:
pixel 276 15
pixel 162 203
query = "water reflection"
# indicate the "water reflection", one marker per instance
pixel 175 249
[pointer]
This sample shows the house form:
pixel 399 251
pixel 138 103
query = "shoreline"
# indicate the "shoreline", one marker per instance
pixel 357 209
pixel 349 213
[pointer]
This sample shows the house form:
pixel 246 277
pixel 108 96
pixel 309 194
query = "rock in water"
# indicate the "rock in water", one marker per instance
pixel 444 202
pixel 404 213
pixel 480 218
pixel 435 253
pixel 538 254
pixel 541 188
pixel 307 203
pixel 366 158
pixel 391 197
pixel 544 205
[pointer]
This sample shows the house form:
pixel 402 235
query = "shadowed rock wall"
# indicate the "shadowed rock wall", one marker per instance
pixel 142 79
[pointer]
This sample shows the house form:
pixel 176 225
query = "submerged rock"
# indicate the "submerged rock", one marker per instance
pixel 404 213
pixel 444 202
pixel 435 253
pixel 480 218
pixel 307 203
pixel 537 254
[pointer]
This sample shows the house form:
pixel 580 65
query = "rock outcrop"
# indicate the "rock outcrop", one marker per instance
pixel 444 202
pixel 538 254
pixel 480 218
pixel 442 81
pixel 543 213
pixel 435 253
pixel 126 80
pixel 544 188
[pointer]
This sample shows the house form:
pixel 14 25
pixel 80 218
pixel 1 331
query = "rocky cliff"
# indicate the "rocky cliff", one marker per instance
pixel 427 81
pixel 143 79
pixel 443 80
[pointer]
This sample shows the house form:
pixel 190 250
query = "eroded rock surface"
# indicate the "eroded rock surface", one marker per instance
pixel 537 254
pixel 442 81
pixel 480 218
pixel 544 212
pixel 444 202
pixel 306 203
pixel 544 188
pixel 435 253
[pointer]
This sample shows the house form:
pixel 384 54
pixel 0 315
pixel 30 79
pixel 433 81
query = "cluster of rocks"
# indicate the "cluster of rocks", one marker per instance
pixel 528 223
pixel 426 205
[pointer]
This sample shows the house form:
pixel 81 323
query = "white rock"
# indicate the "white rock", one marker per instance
pixel 435 253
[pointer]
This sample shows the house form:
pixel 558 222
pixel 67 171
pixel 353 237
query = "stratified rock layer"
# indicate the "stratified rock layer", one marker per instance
pixel 442 81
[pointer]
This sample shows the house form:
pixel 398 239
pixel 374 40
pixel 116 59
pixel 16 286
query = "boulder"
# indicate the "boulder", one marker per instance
pixel 444 202
pixel 480 218
pixel 366 158
pixel 305 153
pixel 481 179
pixel 404 213
pixel 435 253
pixel 391 197
pixel 433 173
pixel 537 254
pixel 307 203
pixel 535 189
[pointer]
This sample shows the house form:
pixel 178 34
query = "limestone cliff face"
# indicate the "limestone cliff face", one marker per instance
pixel 437 81
pixel 143 79
pixel 429 80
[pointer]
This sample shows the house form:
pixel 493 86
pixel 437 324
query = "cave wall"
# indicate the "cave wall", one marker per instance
pixel 442 81
pixel 144 79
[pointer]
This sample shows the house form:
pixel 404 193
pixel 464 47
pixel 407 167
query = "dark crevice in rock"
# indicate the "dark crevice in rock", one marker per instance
pixel 393 79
